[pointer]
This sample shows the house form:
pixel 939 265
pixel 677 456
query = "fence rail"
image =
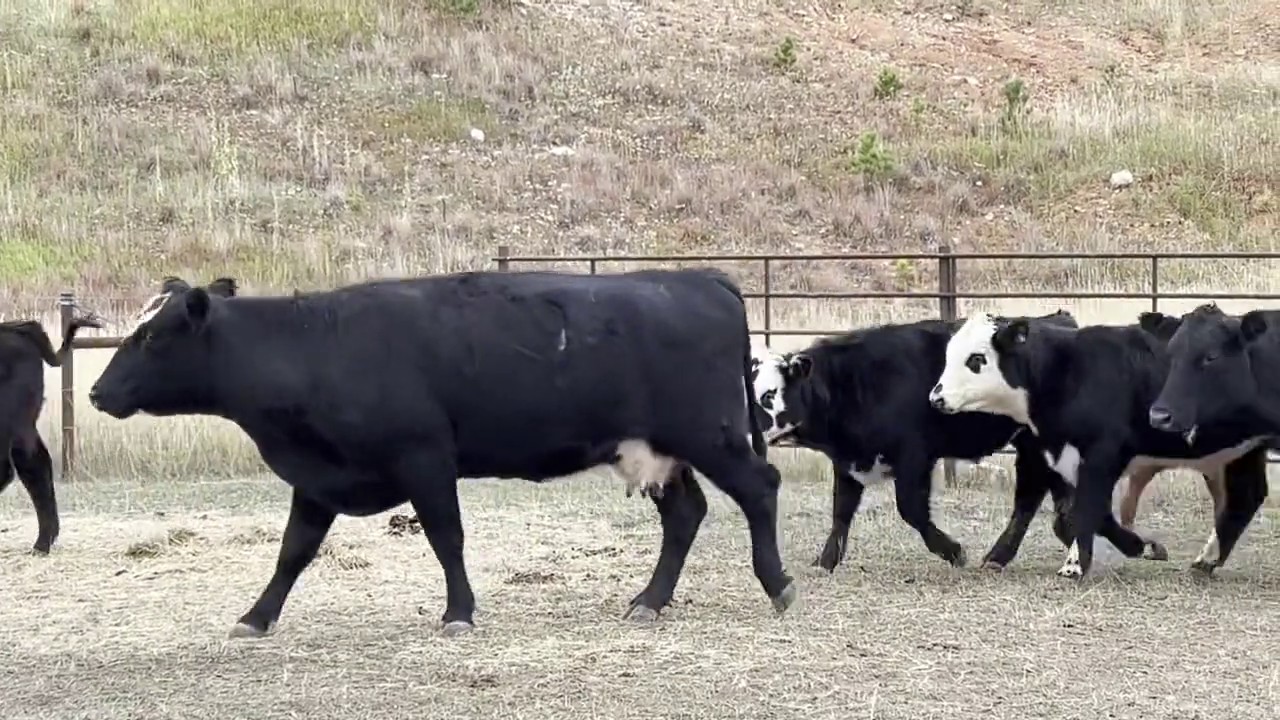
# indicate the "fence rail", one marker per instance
pixel 947 294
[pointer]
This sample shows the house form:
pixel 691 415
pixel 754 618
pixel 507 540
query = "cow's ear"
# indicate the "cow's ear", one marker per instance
pixel 196 303
pixel 800 365
pixel 1252 325
pixel 1152 321
pixel 173 284
pixel 224 286
pixel 1011 335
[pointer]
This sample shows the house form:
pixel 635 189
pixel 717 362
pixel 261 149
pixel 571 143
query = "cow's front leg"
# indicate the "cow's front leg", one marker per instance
pixel 681 506
pixel 431 480
pixel 913 487
pixel 846 496
pixel 308 524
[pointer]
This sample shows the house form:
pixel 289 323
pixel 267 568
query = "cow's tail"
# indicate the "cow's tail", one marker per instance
pixel 757 435
pixel 34 332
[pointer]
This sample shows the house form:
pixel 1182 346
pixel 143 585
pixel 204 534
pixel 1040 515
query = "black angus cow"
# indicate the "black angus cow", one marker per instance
pixel 369 395
pixel 1224 372
pixel 861 399
pixel 1085 393
pixel 24 350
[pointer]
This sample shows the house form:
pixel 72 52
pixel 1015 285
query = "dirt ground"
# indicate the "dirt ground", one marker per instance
pixel 128 617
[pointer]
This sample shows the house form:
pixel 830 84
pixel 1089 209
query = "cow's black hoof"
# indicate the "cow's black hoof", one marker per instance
pixel 990 564
pixel 1203 567
pixel 959 559
pixel 245 630
pixel 788 597
pixel 454 628
pixel 827 564
pixel 40 550
pixel 1155 551
pixel 639 613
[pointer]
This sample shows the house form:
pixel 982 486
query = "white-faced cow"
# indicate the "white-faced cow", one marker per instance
pixel 860 399
pixel 370 395
pixel 24 350
pixel 1085 393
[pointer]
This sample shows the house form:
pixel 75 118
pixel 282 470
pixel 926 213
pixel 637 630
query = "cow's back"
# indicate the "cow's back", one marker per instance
pixel 580 360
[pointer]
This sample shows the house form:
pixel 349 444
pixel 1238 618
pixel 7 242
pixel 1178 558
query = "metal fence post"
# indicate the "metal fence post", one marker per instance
pixel 768 304
pixel 66 312
pixel 947 311
pixel 1155 283
pixel 504 252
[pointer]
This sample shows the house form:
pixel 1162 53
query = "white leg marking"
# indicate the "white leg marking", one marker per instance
pixel 1066 464
pixel 1209 554
pixel 1071 566
pixel 879 472
pixel 642 468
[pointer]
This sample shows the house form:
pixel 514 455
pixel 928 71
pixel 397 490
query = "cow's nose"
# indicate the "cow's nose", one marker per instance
pixel 94 397
pixel 937 402
pixel 1160 418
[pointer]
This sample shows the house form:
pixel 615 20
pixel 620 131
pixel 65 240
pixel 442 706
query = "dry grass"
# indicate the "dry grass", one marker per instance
pixel 95 630
pixel 306 144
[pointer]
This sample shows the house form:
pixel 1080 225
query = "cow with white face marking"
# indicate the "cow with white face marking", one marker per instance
pixel 370 395
pixel 1084 393
pixel 860 399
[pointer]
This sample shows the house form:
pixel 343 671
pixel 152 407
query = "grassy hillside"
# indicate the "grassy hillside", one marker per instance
pixel 300 144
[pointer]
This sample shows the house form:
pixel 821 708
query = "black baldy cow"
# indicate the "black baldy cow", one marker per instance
pixel 1084 392
pixel 366 396
pixel 24 351
pixel 860 399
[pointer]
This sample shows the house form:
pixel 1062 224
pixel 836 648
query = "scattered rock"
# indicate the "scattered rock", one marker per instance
pixel 948 17
pixel 563 151
pixel 477 134
pixel 1121 178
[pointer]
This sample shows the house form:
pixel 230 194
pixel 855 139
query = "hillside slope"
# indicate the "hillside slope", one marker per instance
pixel 303 144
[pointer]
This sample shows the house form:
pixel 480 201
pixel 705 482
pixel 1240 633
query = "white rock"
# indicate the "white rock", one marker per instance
pixel 948 17
pixel 562 150
pixel 1121 178
pixel 477 134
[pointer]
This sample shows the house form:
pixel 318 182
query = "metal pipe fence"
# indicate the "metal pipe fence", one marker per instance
pixel 946 293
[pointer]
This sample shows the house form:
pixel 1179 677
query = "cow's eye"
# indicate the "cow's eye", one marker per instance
pixel 766 399
pixel 975 362
pixel 1208 358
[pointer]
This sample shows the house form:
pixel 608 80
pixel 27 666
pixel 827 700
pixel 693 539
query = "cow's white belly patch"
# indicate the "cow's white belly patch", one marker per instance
pixel 642 468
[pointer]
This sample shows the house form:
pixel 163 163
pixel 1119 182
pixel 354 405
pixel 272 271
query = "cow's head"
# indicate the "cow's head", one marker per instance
pixel 776 379
pixel 984 369
pixel 1211 379
pixel 163 366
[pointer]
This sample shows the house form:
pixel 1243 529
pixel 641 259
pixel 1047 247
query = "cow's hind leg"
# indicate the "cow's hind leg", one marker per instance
pixel 913 488
pixel 308 524
pixel 682 506
pixel 846 496
pixel 1245 481
pixel 752 482
pixel 35 468
pixel 1215 483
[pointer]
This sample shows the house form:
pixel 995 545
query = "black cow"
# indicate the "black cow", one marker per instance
pixel 1224 372
pixel 24 350
pixel 372 394
pixel 1085 393
pixel 860 399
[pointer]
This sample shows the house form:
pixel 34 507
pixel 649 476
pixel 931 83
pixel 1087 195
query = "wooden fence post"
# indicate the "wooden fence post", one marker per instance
pixel 504 252
pixel 947 311
pixel 66 311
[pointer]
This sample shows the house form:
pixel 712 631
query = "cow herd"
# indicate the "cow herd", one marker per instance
pixel 371 395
